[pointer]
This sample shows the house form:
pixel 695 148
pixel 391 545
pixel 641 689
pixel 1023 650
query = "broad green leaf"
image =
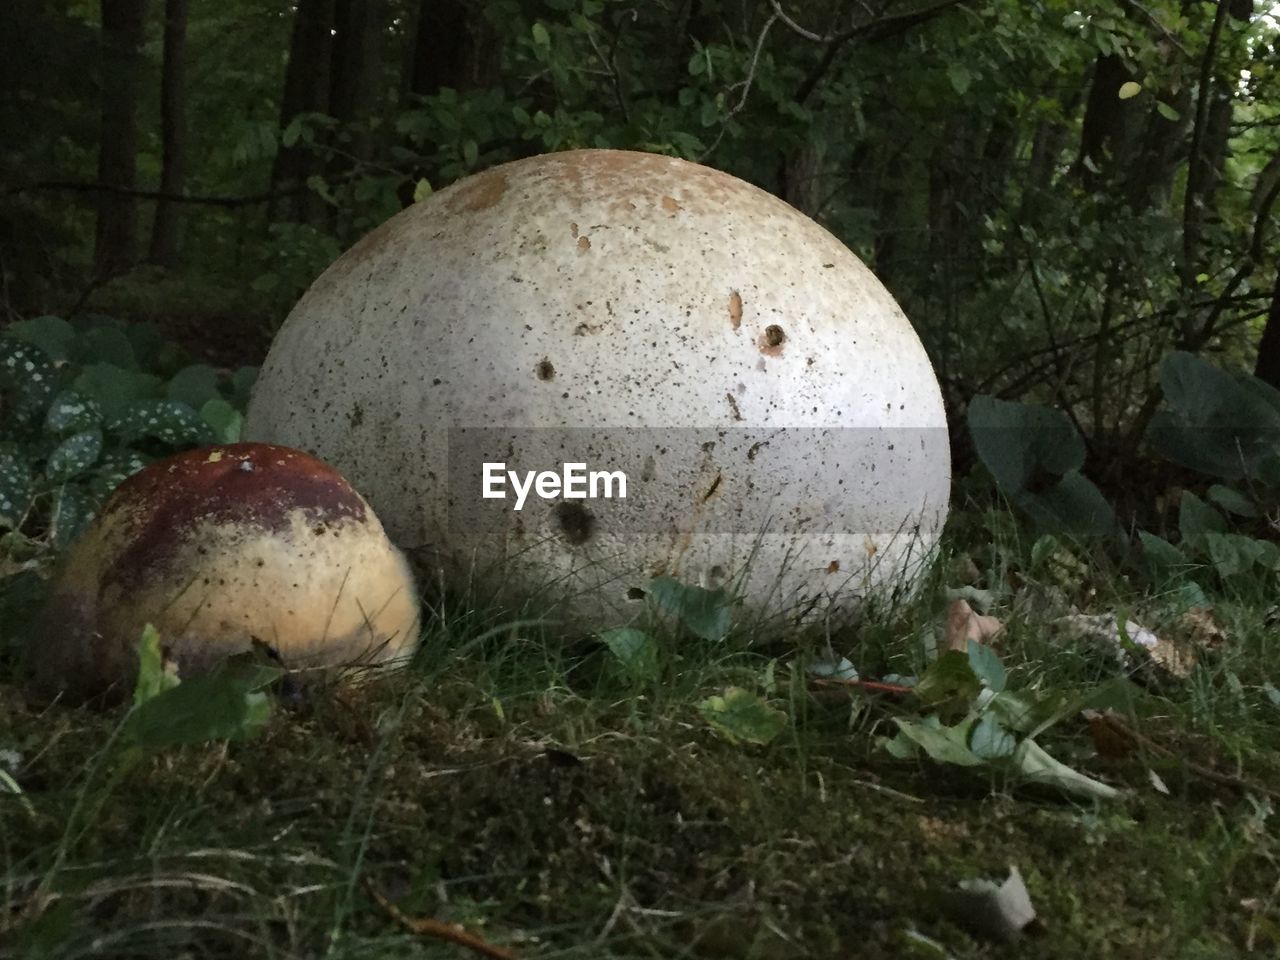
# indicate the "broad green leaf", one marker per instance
pixel 195 386
pixel 540 36
pixel 950 677
pixel 71 413
pixel 1035 765
pixel 228 703
pixel 114 469
pixel 1233 501
pixel 1023 445
pixel 1196 519
pixel 989 740
pixel 107 343
pixel 635 650
pixel 1129 90
pixel 1072 505
pixel 422 190
pixel 74 455
pixel 1168 112
pixel 16 486
pixel 169 421
pixel 704 612
pixel 225 420
pixel 28 381
pixel 53 335
pixel 987 667
pixel 741 715
pixel 944 744
pixel 1161 555
pixel 114 388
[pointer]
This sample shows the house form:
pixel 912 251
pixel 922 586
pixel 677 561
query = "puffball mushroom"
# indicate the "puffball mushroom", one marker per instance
pixel 773 413
pixel 219 547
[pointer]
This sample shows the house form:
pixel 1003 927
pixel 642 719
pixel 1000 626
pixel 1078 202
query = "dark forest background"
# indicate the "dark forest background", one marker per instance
pixel 1059 194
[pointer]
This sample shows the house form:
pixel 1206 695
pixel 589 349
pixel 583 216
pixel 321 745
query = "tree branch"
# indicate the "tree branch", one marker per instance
pixel 1195 165
pixel 73 186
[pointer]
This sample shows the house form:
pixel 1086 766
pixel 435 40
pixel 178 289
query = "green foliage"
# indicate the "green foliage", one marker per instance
pixel 87 405
pixel 230 702
pixel 741 715
pixel 704 613
pixel 999 727
pixel 1035 454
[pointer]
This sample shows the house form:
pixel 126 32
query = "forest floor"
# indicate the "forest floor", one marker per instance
pixel 516 787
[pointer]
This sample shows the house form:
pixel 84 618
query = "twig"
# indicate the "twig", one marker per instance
pixel 429 927
pixel 1207 773
pixel 746 88
pixel 875 686
pixel 74 186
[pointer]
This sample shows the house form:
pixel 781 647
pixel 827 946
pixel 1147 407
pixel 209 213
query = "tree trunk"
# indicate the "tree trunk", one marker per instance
pixel 116 238
pixel 173 132
pixel 306 90
pixel 1268 365
pixel 355 77
pixel 1106 133
pixel 442 48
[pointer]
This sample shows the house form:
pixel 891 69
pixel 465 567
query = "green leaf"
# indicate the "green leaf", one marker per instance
pixel 195 386
pixel 1168 112
pixel 540 36
pixel 225 420
pixel 950 677
pixel 989 739
pixel 1160 555
pixel 72 511
pixel 153 678
pixel 71 413
pixel 169 421
pixel 1233 553
pixel 470 153
pixel 74 455
pixel 1022 444
pixel 944 744
pixel 28 380
pixel 705 613
pixel 114 469
pixel 742 716
pixel 987 667
pixel 1035 765
pixel 421 190
pixel 635 650
pixel 1073 506
pixel 53 335
pixel 225 704
pixel 1233 501
pixel 114 388
pixel 1196 519
pixel 16 486
pixel 960 77
pixel 108 343
pixel 1129 89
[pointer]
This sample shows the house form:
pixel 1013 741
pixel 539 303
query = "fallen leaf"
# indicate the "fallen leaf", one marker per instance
pixel 997 912
pixel 964 625
pixel 1201 627
pixel 1104 629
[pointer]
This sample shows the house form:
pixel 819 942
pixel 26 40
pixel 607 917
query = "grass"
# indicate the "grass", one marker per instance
pixel 522 785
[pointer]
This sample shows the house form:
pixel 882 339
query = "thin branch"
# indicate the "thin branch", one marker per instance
pixel 1195 163
pixel 73 186
pixel 745 85
pixel 1252 258
pixel 428 927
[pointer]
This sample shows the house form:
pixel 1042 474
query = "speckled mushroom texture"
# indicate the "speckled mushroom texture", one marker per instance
pixel 216 547
pixel 778 420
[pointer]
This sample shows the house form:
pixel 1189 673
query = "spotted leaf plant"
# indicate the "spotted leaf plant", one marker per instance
pixel 85 405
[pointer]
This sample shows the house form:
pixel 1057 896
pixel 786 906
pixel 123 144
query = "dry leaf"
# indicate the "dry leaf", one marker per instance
pixel 964 624
pixel 1103 629
pixel 1200 627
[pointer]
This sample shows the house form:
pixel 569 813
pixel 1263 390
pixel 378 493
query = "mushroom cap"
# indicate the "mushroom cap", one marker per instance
pixel 774 412
pixel 218 547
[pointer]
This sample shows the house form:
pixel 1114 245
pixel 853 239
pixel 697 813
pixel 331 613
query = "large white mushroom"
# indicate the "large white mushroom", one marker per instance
pixel 217 548
pixel 773 411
